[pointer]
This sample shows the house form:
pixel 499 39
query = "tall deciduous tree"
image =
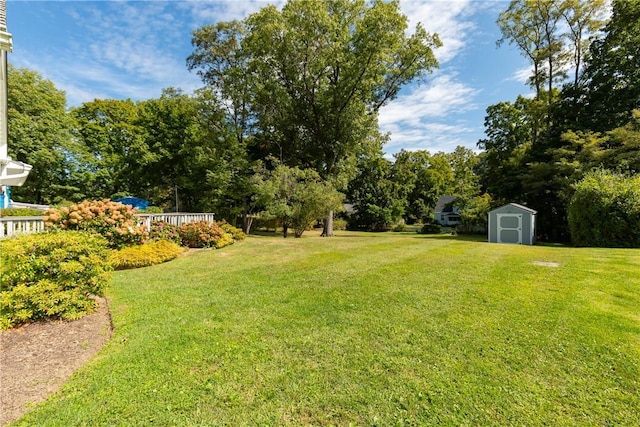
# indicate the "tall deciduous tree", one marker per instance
pixel 466 183
pixel 520 26
pixel 222 63
pixel 321 70
pixel 537 27
pixel 115 145
pixel 376 197
pixel 584 19
pixel 510 128
pixel 422 178
pixel 613 73
pixel 177 155
pixel 40 135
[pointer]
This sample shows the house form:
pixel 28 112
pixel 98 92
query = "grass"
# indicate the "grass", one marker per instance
pixel 367 329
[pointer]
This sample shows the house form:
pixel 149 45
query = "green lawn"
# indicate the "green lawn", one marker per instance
pixel 367 329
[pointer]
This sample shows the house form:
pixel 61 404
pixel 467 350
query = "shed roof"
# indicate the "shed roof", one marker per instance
pixel 516 205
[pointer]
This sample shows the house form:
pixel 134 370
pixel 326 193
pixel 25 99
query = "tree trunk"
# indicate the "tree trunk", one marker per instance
pixel 246 221
pixel 327 228
pixel 285 230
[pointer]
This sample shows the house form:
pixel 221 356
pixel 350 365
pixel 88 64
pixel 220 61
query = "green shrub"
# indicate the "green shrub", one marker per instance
pixel 266 224
pixel 51 275
pixel 605 211
pixel 339 224
pixel 431 227
pixel 399 228
pixel 202 234
pixel 225 240
pixel 146 255
pixel 161 230
pixel 235 232
pixel 112 220
pixel 474 215
pixel 20 212
pixel 151 210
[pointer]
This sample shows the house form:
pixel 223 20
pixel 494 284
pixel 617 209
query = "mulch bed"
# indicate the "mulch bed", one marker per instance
pixel 37 358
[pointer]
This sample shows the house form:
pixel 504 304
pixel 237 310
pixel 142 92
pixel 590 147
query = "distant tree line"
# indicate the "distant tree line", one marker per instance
pixel 178 142
pixel 289 108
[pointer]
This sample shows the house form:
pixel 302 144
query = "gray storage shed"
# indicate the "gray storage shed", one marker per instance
pixel 512 223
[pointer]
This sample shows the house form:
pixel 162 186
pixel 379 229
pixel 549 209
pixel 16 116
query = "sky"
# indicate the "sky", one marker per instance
pixel 133 49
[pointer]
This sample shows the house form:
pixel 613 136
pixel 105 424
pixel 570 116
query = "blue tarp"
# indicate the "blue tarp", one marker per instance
pixel 133 201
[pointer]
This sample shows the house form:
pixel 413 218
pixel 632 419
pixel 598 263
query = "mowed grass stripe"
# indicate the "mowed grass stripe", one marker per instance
pixel 367 329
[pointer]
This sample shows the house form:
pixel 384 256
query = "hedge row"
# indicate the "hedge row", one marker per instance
pixel 605 211
pixel 147 255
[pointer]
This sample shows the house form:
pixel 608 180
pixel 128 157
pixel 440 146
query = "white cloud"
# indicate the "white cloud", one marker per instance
pixel 416 118
pixel 422 117
pixel 207 12
pixel 433 136
pixel 450 19
pixel 522 75
pixel 127 50
pixel 441 97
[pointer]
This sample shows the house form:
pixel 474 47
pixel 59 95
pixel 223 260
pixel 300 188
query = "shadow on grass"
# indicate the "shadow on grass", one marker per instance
pixel 458 237
pixel 265 233
pixel 340 234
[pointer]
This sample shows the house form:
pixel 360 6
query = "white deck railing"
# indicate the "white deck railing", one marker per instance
pixel 174 218
pixel 16 225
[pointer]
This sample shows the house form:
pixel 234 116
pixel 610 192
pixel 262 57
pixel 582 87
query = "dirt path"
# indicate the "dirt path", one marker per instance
pixel 36 359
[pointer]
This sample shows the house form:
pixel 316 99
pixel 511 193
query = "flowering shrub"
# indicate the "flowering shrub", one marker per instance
pixel 51 275
pixel 203 234
pixel 112 220
pixel 161 230
pixel 151 253
pixel 235 232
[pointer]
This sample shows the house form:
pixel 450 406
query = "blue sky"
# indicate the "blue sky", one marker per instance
pixel 133 49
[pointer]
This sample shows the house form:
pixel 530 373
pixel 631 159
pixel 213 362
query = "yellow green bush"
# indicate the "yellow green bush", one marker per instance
pixel 112 220
pixel 51 275
pixel 225 240
pixel 152 253
pixel 339 224
pixel 235 232
pixel 20 212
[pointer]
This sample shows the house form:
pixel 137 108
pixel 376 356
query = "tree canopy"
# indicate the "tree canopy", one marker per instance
pixel 307 81
pixel 40 135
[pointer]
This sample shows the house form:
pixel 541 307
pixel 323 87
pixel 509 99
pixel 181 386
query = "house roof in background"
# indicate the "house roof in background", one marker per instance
pixel 442 203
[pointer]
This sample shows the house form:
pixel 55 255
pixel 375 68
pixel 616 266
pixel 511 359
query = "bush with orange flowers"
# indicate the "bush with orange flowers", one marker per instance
pixel 203 234
pixel 112 220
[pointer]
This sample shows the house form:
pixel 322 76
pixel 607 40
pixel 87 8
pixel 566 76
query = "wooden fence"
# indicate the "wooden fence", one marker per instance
pixel 16 225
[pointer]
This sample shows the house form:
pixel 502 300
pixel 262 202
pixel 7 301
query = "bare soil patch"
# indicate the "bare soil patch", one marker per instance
pixel 37 358
pixel 546 263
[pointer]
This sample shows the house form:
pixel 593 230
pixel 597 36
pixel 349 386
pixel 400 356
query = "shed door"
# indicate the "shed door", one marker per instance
pixel 509 228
